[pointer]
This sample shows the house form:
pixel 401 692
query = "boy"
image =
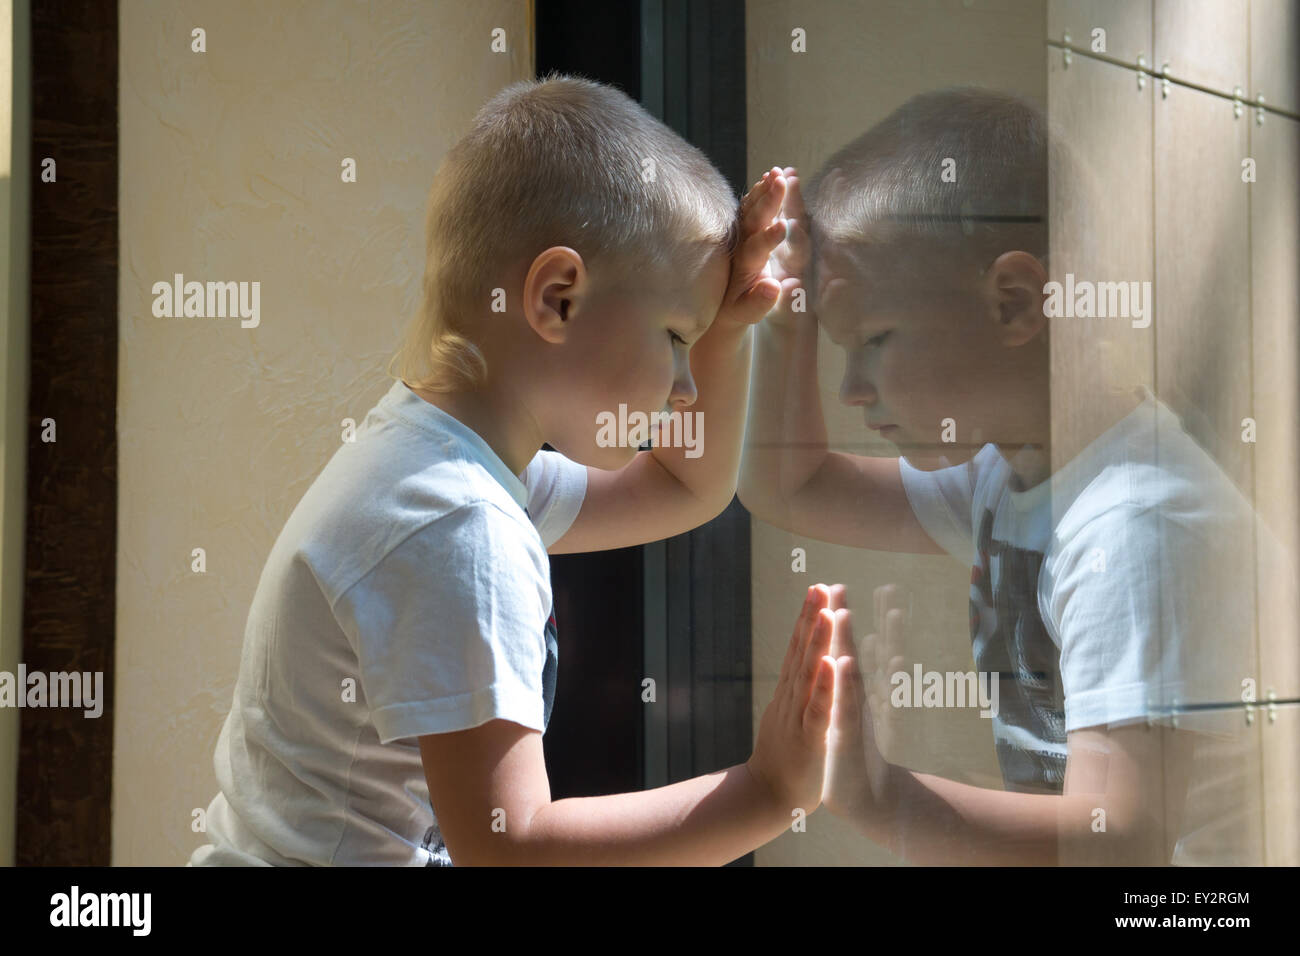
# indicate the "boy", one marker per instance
pixel 1097 599
pixel 400 655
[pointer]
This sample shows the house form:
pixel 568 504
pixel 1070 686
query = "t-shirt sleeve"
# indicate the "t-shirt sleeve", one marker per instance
pixel 941 501
pixel 556 488
pixel 449 628
pixel 1150 624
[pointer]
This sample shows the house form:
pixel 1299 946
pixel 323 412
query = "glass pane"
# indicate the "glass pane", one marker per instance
pixel 1036 391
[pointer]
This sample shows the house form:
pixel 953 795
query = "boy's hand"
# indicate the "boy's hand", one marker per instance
pixel 790 753
pixel 751 291
pixel 863 719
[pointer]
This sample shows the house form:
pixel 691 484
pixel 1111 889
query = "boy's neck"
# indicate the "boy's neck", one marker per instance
pixel 492 417
pixel 1032 462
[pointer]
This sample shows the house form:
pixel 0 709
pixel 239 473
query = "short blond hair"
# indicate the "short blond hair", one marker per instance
pixel 885 190
pixel 559 161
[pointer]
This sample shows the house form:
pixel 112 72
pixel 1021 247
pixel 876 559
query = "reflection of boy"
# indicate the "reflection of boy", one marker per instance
pixel 1095 593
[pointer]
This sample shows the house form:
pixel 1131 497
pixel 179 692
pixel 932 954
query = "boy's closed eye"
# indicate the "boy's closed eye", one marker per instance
pixel 860 339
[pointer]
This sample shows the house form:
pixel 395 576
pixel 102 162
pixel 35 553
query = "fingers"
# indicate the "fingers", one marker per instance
pixel 870 654
pixel 796 652
pixel 796 249
pixel 760 235
pixel 817 715
pixel 853 683
pixel 894 624
pixel 819 641
pixel 750 259
pixel 836 600
pixel 885 598
pixel 850 694
pixel 792 207
pixel 816 687
pixel 817 647
pixel 763 201
pixel 756 301
pixel 795 637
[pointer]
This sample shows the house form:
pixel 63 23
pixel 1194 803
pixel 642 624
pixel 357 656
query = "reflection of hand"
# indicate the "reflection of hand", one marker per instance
pixel 790 752
pixel 862 720
pixel 789 261
pixel 882 658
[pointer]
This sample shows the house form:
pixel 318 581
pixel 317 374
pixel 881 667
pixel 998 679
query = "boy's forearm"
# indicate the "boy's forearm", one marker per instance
pixel 720 367
pixel 786 430
pixel 933 821
pixel 705 821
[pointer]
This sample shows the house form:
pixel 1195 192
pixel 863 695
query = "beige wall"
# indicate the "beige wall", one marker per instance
pixel 230 171
pixel 863 60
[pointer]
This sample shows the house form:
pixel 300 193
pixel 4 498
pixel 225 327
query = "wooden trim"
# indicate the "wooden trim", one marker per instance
pixel 65 760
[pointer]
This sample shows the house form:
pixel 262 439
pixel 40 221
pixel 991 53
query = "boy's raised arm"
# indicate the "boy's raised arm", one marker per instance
pixel 1135 774
pixel 788 476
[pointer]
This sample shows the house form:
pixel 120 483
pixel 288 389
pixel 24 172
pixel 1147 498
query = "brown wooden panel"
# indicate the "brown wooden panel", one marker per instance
pixel 1275 317
pixel 1204 42
pixel 1281 748
pixel 1205 807
pixel 1127 24
pixel 1101 230
pixel 1203 365
pixel 1203 273
pixel 65 759
pixel 1225 794
pixel 1275 52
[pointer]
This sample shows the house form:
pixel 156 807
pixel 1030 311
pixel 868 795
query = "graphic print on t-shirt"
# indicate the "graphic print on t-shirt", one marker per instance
pixel 1008 637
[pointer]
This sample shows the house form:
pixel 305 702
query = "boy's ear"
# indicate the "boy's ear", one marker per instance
pixel 1014 289
pixel 555 282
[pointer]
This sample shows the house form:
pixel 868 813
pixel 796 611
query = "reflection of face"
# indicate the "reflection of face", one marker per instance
pixel 634 350
pixel 915 355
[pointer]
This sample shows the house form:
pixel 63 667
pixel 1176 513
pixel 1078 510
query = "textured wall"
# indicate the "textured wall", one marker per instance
pixel 230 171
pixel 863 60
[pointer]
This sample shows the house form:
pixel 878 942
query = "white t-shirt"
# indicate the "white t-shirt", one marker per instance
pixel 408 594
pixel 1100 596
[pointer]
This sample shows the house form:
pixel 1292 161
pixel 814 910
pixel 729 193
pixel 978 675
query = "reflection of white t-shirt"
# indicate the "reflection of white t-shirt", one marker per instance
pixel 408 594
pixel 1104 595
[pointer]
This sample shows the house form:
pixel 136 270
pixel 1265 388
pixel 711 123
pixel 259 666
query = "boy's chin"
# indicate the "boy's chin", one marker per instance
pixel 931 457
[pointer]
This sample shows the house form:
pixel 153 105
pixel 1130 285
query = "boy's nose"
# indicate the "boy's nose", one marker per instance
pixel 684 392
pixel 856 390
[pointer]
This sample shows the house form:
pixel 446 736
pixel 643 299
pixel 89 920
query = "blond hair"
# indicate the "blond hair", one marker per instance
pixel 559 161
pixel 886 190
